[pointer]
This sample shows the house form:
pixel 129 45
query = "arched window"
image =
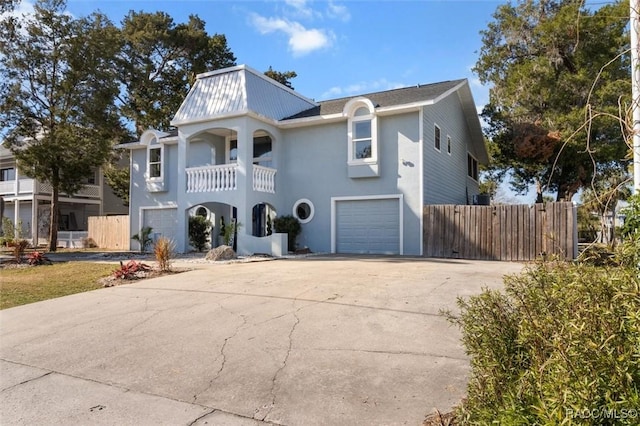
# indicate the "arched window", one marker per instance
pixel 362 132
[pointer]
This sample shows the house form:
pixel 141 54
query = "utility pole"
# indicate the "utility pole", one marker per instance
pixel 635 90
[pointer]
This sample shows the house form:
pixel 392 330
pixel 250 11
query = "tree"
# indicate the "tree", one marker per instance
pixel 57 92
pixel 284 77
pixel 559 76
pixel 159 62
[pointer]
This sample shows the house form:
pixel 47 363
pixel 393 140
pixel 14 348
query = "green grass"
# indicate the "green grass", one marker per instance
pixel 27 285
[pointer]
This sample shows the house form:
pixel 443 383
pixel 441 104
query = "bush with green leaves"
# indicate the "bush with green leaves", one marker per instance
pixel 631 223
pixel 143 238
pixel 199 230
pixel 561 339
pixel 229 231
pixel 288 225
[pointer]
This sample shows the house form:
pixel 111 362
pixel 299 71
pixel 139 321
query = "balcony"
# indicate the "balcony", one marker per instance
pixel 31 186
pixel 224 177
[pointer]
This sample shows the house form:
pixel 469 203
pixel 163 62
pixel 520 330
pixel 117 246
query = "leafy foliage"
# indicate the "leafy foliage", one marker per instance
pixel 18 247
pixel 561 339
pixel 559 84
pixel 284 77
pixel 131 270
pixel 36 258
pixel 632 217
pixel 229 231
pixel 159 62
pixel 199 230
pixel 143 238
pixel 290 226
pixel 163 250
pixel 57 97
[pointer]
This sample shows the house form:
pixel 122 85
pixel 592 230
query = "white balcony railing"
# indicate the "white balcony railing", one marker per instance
pixel 212 178
pixel 264 179
pixel 224 177
pixel 30 186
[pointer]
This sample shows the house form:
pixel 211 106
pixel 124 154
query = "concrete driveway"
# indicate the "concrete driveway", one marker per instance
pixel 322 340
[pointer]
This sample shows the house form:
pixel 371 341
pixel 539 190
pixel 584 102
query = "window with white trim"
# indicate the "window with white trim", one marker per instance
pixel 362 136
pixel 155 158
pixel 436 137
pixel 303 210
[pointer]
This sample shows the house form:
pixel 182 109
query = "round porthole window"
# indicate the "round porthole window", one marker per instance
pixel 303 210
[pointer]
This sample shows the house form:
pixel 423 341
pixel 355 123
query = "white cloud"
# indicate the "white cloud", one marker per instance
pixel 338 11
pixel 361 88
pixel 301 8
pixel 301 40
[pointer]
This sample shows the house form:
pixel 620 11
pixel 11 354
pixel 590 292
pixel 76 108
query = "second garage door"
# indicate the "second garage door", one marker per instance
pixel 163 221
pixel 368 226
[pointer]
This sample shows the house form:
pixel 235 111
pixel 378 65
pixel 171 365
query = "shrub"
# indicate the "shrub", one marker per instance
pixel 199 230
pixel 131 270
pixel 8 231
pixel 290 226
pixel 631 223
pixel 229 232
pixel 143 238
pixel 36 258
pixel 18 249
pixel 163 251
pixel 89 242
pixel 561 339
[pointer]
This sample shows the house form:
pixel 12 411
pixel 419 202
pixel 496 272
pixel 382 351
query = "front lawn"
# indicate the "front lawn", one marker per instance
pixel 19 286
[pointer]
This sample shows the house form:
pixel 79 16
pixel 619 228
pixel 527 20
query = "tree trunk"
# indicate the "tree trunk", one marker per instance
pixel 539 199
pixel 53 225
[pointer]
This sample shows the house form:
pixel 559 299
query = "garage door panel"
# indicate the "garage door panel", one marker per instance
pixel 368 226
pixel 163 222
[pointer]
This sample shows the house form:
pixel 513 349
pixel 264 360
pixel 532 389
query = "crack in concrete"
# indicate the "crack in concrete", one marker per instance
pixel 27 381
pixel 383 352
pixel 201 417
pixel 222 353
pixel 327 301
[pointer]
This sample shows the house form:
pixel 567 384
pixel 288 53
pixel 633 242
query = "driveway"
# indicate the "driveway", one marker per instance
pixel 322 340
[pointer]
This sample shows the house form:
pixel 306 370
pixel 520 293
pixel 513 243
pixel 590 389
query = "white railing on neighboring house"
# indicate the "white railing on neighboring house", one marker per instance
pixel 71 239
pixel 264 179
pixel 30 186
pixel 212 178
pixel 89 191
pixel 25 186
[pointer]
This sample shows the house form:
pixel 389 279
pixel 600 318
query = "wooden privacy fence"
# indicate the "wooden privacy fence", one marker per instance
pixel 503 232
pixel 110 232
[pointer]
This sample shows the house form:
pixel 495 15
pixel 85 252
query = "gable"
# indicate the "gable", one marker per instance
pixel 238 90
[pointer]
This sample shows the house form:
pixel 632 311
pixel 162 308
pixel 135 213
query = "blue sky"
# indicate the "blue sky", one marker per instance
pixel 338 48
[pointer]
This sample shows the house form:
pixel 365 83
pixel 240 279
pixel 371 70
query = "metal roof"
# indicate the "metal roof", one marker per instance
pixel 238 90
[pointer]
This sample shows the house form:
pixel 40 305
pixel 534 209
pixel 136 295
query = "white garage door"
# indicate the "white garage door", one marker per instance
pixel 368 226
pixel 163 221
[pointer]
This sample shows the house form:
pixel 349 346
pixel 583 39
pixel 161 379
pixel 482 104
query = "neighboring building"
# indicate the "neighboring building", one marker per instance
pixel 27 203
pixel 356 171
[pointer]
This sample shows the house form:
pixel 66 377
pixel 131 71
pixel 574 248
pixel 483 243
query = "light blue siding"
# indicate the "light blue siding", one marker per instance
pixel 445 175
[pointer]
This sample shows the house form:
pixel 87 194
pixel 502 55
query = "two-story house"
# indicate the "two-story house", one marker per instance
pixel 27 203
pixel 355 171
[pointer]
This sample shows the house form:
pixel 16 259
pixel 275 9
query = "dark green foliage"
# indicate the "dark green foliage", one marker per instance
pixel 562 338
pixel 290 226
pixel 281 77
pixel 57 96
pixel 199 230
pixel 159 62
pixel 558 81
pixel 632 217
pixel 143 238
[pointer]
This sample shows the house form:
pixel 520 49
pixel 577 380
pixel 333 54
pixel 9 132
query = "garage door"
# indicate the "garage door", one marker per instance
pixel 368 226
pixel 163 221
